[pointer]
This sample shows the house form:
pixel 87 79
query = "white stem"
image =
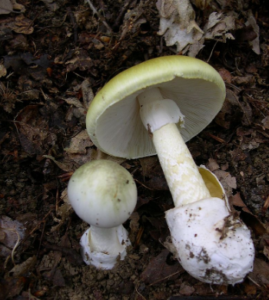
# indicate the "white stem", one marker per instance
pixel 181 173
pixel 105 240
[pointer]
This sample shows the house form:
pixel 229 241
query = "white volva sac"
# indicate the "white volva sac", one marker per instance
pixel 104 195
pixel 212 245
pixel 154 108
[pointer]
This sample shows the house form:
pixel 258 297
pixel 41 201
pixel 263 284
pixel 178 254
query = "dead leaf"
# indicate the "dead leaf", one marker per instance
pixel 79 143
pixel 22 268
pixel 212 165
pixel 186 289
pixel 3 71
pixel 225 75
pixel 76 103
pixel 177 24
pixel 18 7
pixel 219 26
pixel 22 25
pixel 11 233
pixel 33 131
pixel 65 165
pixel 80 60
pixel 265 122
pixel 153 174
pixel 9 98
pixel 255 43
pixel 51 5
pixel 260 273
pixel 5 7
pixel 159 271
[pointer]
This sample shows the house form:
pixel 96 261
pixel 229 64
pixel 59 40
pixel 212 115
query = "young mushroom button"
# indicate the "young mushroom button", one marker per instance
pixel 104 195
pixel 155 107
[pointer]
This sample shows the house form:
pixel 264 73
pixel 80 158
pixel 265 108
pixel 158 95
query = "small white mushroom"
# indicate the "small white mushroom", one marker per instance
pixel 104 195
pixel 155 107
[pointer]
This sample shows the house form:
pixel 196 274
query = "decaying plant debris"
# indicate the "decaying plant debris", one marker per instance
pixel 55 56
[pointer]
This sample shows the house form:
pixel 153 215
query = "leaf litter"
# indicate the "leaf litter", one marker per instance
pixel 54 60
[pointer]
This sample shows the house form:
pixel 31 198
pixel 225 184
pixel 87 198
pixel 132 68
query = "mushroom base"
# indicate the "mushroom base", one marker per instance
pixel 104 260
pixel 211 244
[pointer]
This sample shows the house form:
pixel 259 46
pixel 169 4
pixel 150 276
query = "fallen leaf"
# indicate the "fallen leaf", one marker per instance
pixel 65 165
pixel 255 43
pixel 177 24
pixel 80 60
pixel 22 268
pixel 265 122
pixel 11 233
pixel 79 143
pixel 159 271
pixel 5 7
pixel 3 70
pixel 22 25
pixel 260 273
pixel 186 289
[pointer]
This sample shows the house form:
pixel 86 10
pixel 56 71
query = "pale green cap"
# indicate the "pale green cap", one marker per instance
pixel 113 119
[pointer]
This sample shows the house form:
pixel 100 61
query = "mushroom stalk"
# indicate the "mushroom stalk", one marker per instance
pixel 160 116
pixel 105 240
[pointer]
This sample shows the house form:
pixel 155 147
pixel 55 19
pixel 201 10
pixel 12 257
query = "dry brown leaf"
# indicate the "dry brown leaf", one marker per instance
pixel 17 6
pixel 255 43
pixel 177 24
pixel 8 98
pixel 79 143
pixel 5 7
pixel 22 25
pixel 76 103
pixel 212 165
pixel 33 131
pixel 260 274
pixel 23 268
pixel 265 122
pixel 179 27
pixel 11 233
pixel 65 165
pixel 3 71
pixel 80 60
pixel 158 270
pixel 186 289
pixel 225 75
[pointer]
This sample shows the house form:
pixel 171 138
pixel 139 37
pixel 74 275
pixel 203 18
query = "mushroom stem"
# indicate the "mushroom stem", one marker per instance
pixel 181 173
pixel 160 116
pixel 105 240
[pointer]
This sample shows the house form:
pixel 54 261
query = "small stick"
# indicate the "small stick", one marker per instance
pixel 74 23
pixel 124 8
pixel 95 12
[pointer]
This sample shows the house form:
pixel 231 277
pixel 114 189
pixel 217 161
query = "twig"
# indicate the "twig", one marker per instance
pixel 212 52
pixel 125 6
pixel 95 12
pixel 14 248
pixel 74 23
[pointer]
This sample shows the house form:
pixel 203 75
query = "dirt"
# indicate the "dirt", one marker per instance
pixel 55 62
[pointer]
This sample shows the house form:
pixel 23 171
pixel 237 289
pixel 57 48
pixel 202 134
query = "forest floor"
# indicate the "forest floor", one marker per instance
pixel 54 57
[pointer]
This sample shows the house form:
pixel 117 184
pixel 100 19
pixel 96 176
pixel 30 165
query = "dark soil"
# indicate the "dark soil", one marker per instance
pixel 56 61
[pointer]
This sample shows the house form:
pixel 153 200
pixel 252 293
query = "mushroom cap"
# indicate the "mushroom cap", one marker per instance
pixel 113 119
pixel 102 193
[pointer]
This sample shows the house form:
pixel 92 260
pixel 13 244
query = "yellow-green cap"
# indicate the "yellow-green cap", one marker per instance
pixel 113 120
